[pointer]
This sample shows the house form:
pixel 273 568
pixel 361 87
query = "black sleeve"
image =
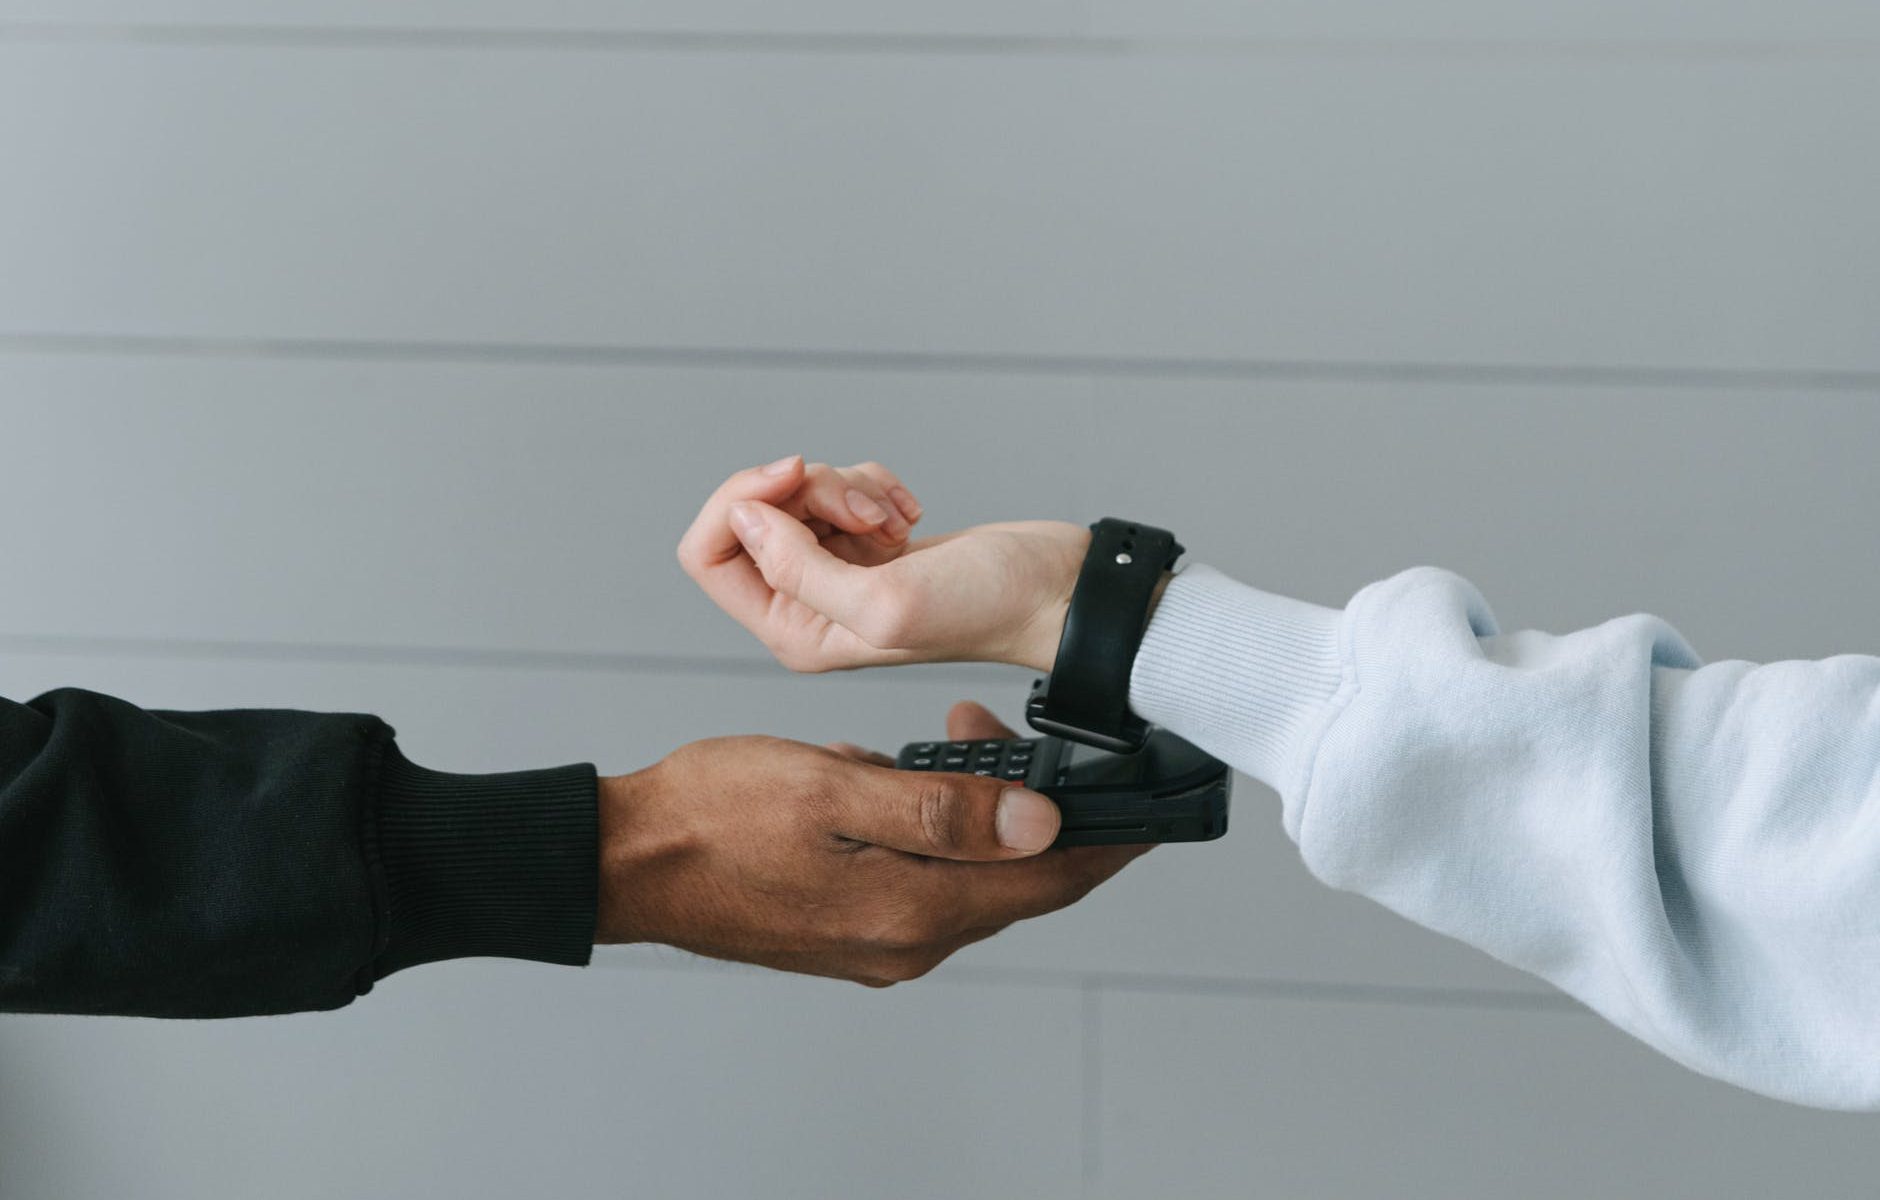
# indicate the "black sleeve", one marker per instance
pixel 232 863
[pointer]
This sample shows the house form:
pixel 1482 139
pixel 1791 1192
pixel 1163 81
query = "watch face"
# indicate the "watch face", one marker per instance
pixel 1165 762
pixel 1089 766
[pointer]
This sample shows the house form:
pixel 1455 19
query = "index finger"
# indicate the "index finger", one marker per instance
pixel 709 540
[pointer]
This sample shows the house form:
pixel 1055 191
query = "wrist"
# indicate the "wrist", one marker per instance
pixel 1155 597
pixel 620 798
pixel 1055 562
pixel 1037 649
pixel 636 848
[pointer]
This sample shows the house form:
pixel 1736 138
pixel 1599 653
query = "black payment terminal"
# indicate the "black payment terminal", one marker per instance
pixel 1167 791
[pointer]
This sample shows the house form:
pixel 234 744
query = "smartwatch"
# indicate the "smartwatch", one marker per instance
pixel 1086 697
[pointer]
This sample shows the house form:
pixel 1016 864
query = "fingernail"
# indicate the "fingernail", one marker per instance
pixel 1025 820
pixel 904 498
pixel 866 509
pixel 747 525
pixel 783 466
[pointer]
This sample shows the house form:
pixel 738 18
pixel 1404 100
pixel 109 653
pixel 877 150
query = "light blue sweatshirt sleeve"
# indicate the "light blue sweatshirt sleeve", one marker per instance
pixel 1693 851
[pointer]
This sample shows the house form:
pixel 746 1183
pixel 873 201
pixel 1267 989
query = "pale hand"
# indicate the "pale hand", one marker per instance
pixel 828 583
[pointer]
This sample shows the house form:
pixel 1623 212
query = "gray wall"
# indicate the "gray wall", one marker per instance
pixel 373 355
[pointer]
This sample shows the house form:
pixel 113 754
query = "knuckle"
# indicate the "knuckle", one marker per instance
pixel 792 658
pixel 782 568
pixel 787 658
pixel 942 817
pixel 687 554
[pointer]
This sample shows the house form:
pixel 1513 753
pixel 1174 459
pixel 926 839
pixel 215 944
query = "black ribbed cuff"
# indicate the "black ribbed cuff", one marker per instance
pixel 487 865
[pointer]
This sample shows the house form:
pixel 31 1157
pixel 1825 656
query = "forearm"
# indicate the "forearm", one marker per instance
pixel 245 862
pixel 1693 851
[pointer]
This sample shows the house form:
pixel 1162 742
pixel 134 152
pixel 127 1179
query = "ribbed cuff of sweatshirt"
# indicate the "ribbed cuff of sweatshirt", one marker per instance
pixel 1246 675
pixel 487 865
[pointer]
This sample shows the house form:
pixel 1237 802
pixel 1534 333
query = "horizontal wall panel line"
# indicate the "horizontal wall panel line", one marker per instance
pixel 923 362
pixel 1172 983
pixel 1069 45
pixel 364 654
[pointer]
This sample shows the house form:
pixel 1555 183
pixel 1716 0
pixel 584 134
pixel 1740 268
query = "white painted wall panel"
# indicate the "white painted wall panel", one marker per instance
pixel 1604 210
pixel 467 506
pixel 490 1081
pixel 535 507
pixel 1238 1097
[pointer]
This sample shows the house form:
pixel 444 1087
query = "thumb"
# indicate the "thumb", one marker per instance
pixel 796 564
pixel 945 815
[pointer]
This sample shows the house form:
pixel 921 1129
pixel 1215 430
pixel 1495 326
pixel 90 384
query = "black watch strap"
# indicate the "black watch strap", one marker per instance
pixel 1086 699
